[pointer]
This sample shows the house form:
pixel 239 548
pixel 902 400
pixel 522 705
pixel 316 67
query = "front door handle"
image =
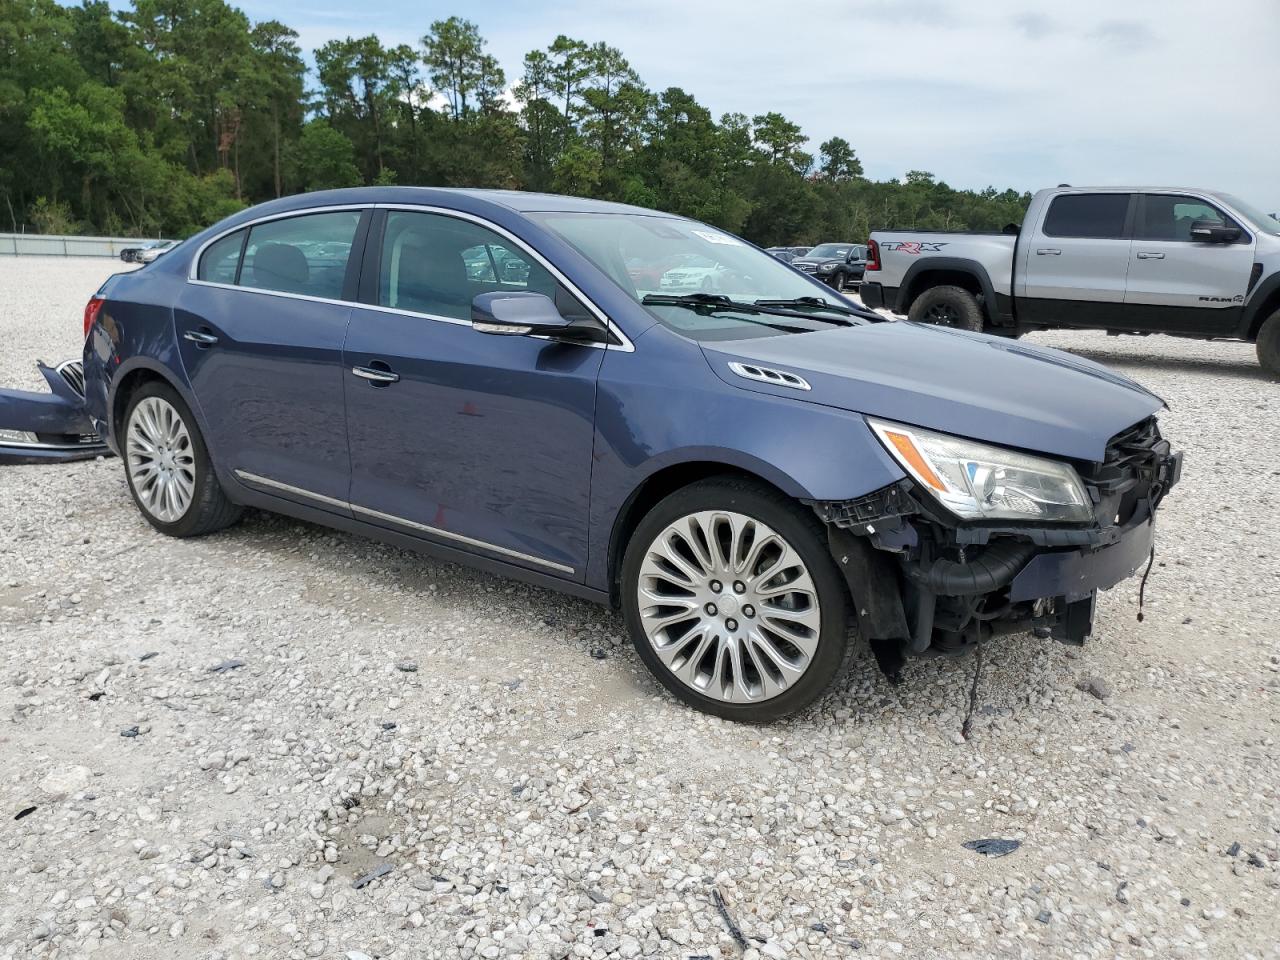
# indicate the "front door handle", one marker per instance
pixel 374 375
pixel 1150 255
pixel 1048 252
pixel 200 338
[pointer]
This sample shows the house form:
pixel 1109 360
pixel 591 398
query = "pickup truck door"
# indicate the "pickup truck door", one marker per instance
pixel 1076 259
pixel 1179 285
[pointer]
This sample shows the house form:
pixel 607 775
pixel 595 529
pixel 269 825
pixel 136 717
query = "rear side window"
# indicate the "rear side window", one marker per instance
pixel 307 254
pixel 1169 217
pixel 1096 215
pixel 435 264
pixel 219 262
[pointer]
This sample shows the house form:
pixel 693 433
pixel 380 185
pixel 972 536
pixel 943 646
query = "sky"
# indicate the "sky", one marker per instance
pixel 993 92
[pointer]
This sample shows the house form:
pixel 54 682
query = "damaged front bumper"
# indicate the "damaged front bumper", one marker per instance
pixel 924 583
pixel 49 427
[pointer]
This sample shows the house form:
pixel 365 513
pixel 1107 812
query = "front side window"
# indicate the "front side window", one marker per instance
pixel 436 264
pixel 219 262
pixel 1169 217
pixel 1099 216
pixel 306 255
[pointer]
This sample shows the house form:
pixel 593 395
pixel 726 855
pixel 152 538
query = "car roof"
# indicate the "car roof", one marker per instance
pixel 518 200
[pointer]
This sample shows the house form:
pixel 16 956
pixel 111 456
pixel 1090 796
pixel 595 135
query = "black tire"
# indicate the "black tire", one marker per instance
pixel 947 306
pixel 1268 345
pixel 838 280
pixel 209 509
pixel 804 532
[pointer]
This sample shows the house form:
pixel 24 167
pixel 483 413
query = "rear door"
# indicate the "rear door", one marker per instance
pixel 1177 284
pixel 471 440
pixel 1077 260
pixel 260 328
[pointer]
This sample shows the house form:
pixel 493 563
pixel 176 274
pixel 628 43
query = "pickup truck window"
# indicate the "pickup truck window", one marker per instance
pixel 1169 217
pixel 1093 215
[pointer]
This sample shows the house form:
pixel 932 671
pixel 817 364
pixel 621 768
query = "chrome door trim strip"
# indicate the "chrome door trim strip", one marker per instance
pixel 624 344
pixel 254 478
pixel 459 538
pixel 289 488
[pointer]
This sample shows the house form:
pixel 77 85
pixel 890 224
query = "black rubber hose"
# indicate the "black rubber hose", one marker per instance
pixel 997 565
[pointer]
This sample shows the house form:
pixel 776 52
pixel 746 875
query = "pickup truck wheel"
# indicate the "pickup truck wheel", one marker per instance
pixel 734 602
pixel 1268 345
pixel 947 306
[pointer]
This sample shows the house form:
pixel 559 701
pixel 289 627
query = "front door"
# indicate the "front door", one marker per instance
pixel 261 330
pixel 1075 261
pixel 472 440
pixel 1177 284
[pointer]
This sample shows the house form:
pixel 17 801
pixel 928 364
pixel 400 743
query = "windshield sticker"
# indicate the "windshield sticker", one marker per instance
pixel 721 238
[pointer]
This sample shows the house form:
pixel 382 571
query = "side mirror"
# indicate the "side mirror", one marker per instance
pixel 1214 231
pixel 522 313
pixel 516 314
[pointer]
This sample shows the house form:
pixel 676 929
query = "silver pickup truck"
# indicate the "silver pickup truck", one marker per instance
pixel 1192 263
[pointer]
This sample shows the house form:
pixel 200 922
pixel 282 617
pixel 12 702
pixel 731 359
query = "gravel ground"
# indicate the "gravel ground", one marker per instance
pixel 497 758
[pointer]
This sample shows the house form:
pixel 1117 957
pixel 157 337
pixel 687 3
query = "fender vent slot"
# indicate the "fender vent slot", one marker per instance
pixel 779 378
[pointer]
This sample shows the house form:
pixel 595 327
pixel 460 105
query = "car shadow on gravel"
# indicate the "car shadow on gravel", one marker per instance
pixel 1245 370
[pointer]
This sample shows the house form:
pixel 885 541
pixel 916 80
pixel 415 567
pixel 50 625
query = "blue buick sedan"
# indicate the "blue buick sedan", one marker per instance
pixel 759 474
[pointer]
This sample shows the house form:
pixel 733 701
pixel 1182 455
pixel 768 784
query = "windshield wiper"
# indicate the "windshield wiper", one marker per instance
pixel 714 303
pixel 816 303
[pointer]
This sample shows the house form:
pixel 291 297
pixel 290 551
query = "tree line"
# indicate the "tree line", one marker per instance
pixel 167 116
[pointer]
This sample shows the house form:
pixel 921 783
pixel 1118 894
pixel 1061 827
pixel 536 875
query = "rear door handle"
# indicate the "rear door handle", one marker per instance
pixel 199 338
pixel 1150 255
pixel 1048 252
pixel 375 376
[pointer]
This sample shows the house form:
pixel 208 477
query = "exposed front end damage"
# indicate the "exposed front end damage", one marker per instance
pixel 926 583
pixel 49 427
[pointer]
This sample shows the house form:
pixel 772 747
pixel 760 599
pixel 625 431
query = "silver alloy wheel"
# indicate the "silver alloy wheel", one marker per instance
pixel 729 606
pixel 160 459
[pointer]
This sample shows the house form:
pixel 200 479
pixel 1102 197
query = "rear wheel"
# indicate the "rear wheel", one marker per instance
pixel 167 466
pixel 1268 345
pixel 733 601
pixel 947 306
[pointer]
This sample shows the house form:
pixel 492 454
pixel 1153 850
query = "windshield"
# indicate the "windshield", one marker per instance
pixel 1263 221
pixel 830 251
pixel 664 256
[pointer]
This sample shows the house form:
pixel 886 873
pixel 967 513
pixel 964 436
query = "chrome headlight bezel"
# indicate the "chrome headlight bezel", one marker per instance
pixel 983 482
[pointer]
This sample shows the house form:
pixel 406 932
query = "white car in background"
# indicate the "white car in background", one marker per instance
pixel 154 251
pixel 693 274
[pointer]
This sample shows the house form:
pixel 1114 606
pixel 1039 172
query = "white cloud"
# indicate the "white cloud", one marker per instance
pixel 1149 91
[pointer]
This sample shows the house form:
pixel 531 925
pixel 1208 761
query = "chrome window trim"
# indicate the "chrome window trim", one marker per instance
pixel 253 478
pixel 624 344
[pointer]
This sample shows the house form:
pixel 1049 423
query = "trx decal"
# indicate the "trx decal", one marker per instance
pixel 914 247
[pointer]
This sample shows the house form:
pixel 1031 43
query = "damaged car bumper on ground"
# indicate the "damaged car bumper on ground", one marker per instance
pixel 49 427
pixel 945 586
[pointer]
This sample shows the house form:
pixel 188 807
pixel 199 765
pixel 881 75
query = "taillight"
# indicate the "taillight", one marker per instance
pixel 91 310
pixel 873 255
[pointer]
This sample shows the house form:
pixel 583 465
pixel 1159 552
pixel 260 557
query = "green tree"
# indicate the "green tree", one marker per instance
pixel 325 158
pixel 839 161
pixel 460 68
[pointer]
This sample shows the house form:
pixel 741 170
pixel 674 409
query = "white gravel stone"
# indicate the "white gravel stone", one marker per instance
pixel 528 795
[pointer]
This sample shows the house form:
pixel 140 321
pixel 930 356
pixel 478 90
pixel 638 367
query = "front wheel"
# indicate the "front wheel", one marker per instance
pixel 1268 345
pixel 838 280
pixel 947 306
pixel 167 466
pixel 733 601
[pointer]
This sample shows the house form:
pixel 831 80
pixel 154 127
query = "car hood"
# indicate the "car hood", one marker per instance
pixel 986 388
pixel 809 260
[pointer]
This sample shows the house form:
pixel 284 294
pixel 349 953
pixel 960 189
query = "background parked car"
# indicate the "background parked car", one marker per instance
pixel 836 264
pixel 148 254
pixel 788 254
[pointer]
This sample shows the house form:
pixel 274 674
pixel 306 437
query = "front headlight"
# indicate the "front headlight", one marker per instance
pixel 976 481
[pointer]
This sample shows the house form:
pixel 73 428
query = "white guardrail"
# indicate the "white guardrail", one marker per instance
pixel 51 245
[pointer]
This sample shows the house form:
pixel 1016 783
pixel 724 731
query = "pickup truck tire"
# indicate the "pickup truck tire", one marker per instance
pixel 947 306
pixel 1268 345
